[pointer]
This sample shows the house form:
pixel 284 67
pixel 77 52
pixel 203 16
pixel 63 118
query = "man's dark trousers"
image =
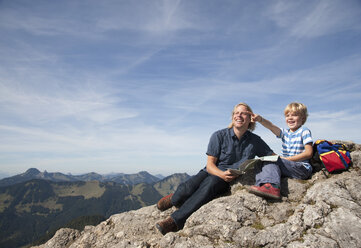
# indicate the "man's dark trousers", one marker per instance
pixel 194 193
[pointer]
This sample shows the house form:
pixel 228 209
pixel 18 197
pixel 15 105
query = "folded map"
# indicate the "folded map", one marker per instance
pixel 251 163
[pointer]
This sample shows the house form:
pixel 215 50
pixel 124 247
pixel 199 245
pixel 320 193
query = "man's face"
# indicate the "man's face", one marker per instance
pixel 241 117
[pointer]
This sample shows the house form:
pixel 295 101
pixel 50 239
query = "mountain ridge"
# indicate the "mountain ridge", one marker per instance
pixel 122 178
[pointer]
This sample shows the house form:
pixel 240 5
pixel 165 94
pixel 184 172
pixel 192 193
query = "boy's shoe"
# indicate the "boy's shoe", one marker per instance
pixel 166 226
pixel 165 203
pixel 266 190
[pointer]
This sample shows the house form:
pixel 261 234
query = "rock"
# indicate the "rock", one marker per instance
pixel 324 211
pixel 62 238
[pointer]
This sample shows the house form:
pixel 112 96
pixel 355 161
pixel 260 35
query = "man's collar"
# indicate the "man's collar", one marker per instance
pixel 235 136
pixel 232 132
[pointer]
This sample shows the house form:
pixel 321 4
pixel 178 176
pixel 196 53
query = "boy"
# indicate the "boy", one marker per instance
pixel 296 152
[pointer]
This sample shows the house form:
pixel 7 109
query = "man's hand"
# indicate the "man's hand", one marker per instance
pixel 228 176
pixel 213 169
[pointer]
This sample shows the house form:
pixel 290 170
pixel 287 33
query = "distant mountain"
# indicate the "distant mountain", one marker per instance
pixel 92 176
pixel 169 184
pixel 33 173
pixel 141 177
pixel 28 210
pixel 160 176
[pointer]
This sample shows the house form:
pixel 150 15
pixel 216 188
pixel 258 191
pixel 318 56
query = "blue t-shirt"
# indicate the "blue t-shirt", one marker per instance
pixel 293 143
pixel 231 151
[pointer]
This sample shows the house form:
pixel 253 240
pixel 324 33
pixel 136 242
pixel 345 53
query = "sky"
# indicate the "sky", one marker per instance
pixel 140 85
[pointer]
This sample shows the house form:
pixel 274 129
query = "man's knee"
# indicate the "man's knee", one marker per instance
pixel 216 184
pixel 187 188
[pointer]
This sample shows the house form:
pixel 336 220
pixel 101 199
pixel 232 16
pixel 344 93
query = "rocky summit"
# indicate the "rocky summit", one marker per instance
pixel 324 211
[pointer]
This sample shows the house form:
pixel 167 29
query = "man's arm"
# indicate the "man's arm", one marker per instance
pixel 306 154
pixel 213 169
pixel 267 124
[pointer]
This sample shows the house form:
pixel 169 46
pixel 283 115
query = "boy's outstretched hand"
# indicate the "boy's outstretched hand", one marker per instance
pixel 266 123
pixel 255 117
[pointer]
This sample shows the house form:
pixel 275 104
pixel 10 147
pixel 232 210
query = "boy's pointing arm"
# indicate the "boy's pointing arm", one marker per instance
pixel 266 123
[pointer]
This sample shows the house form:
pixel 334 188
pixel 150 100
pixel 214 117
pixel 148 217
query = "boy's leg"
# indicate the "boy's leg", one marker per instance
pixel 268 181
pixel 268 172
pixel 210 188
pixel 293 169
pixel 187 188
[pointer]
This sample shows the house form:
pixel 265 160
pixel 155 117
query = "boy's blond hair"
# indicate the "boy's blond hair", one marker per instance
pixel 297 108
pixel 252 125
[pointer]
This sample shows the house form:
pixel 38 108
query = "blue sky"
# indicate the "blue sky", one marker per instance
pixel 125 86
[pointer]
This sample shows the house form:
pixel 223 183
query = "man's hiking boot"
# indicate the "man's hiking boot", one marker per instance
pixel 166 226
pixel 165 203
pixel 266 190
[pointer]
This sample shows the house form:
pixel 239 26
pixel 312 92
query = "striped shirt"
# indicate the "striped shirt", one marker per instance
pixel 293 143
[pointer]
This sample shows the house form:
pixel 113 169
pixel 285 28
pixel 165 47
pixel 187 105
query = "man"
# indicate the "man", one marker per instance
pixel 227 149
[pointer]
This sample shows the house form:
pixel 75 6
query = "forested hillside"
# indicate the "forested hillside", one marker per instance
pixel 29 210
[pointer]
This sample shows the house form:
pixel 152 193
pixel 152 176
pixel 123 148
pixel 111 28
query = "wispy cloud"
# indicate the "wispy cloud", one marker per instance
pixel 154 17
pixel 318 18
pixel 55 103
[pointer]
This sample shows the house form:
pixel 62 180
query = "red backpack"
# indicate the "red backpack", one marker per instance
pixel 329 156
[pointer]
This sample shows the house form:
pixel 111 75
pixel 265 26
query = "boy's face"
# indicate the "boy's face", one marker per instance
pixel 294 121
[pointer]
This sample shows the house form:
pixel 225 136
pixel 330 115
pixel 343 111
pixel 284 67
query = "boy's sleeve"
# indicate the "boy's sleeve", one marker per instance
pixel 281 133
pixel 306 136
